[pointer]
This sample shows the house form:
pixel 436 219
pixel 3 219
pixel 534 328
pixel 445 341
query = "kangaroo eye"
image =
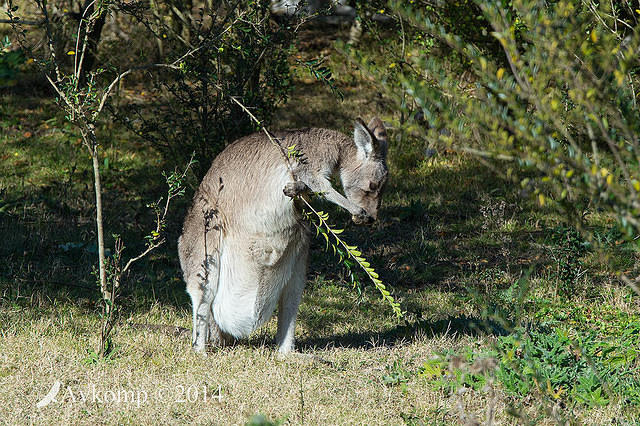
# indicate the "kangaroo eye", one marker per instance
pixel 373 186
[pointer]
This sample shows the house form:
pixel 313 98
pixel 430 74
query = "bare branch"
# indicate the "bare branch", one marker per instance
pixel 23 22
pixel 120 76
pixel 148 250
pixel 266 132
pixel 47 21
pixel 77 67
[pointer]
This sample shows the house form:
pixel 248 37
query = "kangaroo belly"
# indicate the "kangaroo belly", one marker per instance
pixel 253 271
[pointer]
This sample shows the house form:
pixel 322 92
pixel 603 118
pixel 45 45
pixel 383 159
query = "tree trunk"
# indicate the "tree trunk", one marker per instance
pixel 92 143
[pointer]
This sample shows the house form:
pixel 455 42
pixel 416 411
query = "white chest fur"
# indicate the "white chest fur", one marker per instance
pixel 254 270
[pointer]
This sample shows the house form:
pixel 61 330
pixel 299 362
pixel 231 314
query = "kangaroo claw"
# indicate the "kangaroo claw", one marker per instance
pixel 293 189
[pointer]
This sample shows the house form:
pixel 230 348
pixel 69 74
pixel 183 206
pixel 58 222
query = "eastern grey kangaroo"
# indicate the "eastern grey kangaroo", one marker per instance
pixel 244 248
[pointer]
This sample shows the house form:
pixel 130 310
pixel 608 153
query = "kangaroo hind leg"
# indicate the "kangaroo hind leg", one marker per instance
pixel 202 288
pixel 290 301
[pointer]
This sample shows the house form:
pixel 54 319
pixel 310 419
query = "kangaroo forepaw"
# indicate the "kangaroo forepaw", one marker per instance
pixel 293 189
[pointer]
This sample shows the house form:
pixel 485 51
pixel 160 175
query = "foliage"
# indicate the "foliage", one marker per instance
pixel 82 99
pixel 586 347
pixel 318 69
pixel 10 62
pixel 262 420
pixel 553 364
pixel 345 252
pixel 397 375
pixel 568 247
pixel 557 112
pixel 232 51
pixel 568 355
pixel 561 364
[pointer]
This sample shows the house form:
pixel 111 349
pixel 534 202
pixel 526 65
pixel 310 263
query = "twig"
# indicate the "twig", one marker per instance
pixel 159 223
pixel 77 68
pixel 56 67
pixel 22 22
pixel 266 132
pixel 62 95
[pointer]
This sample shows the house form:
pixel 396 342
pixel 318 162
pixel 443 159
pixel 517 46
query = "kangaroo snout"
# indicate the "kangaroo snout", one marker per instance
pixel 364 218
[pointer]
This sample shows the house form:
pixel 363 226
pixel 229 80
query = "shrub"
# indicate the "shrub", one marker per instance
pixel 556 110
pixel 10 62
pixel 580 368
pixel 233 51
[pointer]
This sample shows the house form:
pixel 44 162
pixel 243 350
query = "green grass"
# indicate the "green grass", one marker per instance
pixel 500 296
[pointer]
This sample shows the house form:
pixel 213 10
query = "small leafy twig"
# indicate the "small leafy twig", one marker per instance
pixel 322 73
pixel 176 189
pixel 325 229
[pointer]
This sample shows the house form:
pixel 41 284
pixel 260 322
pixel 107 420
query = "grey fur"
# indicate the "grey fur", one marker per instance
pixel 244 248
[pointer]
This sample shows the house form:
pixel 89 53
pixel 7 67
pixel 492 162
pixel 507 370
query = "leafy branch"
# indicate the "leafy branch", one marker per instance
pixel 322 73
pixel 327 231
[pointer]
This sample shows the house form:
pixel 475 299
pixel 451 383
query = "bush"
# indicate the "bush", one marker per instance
pixel 553 108
pixel 580 368
pixel 235 51
pixel 551 362
pixel 556 110
pixel 10 62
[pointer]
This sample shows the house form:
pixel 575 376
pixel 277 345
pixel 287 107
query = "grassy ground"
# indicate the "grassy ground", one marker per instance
pixel 510 315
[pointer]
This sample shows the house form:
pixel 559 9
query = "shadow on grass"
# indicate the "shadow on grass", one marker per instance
pixel 51 259
pixel 451 326
pixel 47 218
pixel 434 227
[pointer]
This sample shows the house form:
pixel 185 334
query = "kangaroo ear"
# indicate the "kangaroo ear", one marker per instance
pixel 380 133
pixel 377 128
pixel 363 139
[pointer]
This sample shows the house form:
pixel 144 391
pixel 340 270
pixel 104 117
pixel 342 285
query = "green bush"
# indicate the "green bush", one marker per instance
pixel 555 109
pixel 552 363
pixel 10 62
pixel 567 248
pixel 232 51
pixel 545 94
pixel 575 367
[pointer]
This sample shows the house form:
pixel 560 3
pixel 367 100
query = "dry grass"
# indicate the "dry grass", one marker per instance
pixel 338 378
pixel 319 386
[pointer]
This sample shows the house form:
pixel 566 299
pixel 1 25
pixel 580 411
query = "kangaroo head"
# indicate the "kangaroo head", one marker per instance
pixel 364 173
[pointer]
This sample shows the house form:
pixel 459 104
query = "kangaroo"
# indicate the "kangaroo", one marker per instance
pixel 244 247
